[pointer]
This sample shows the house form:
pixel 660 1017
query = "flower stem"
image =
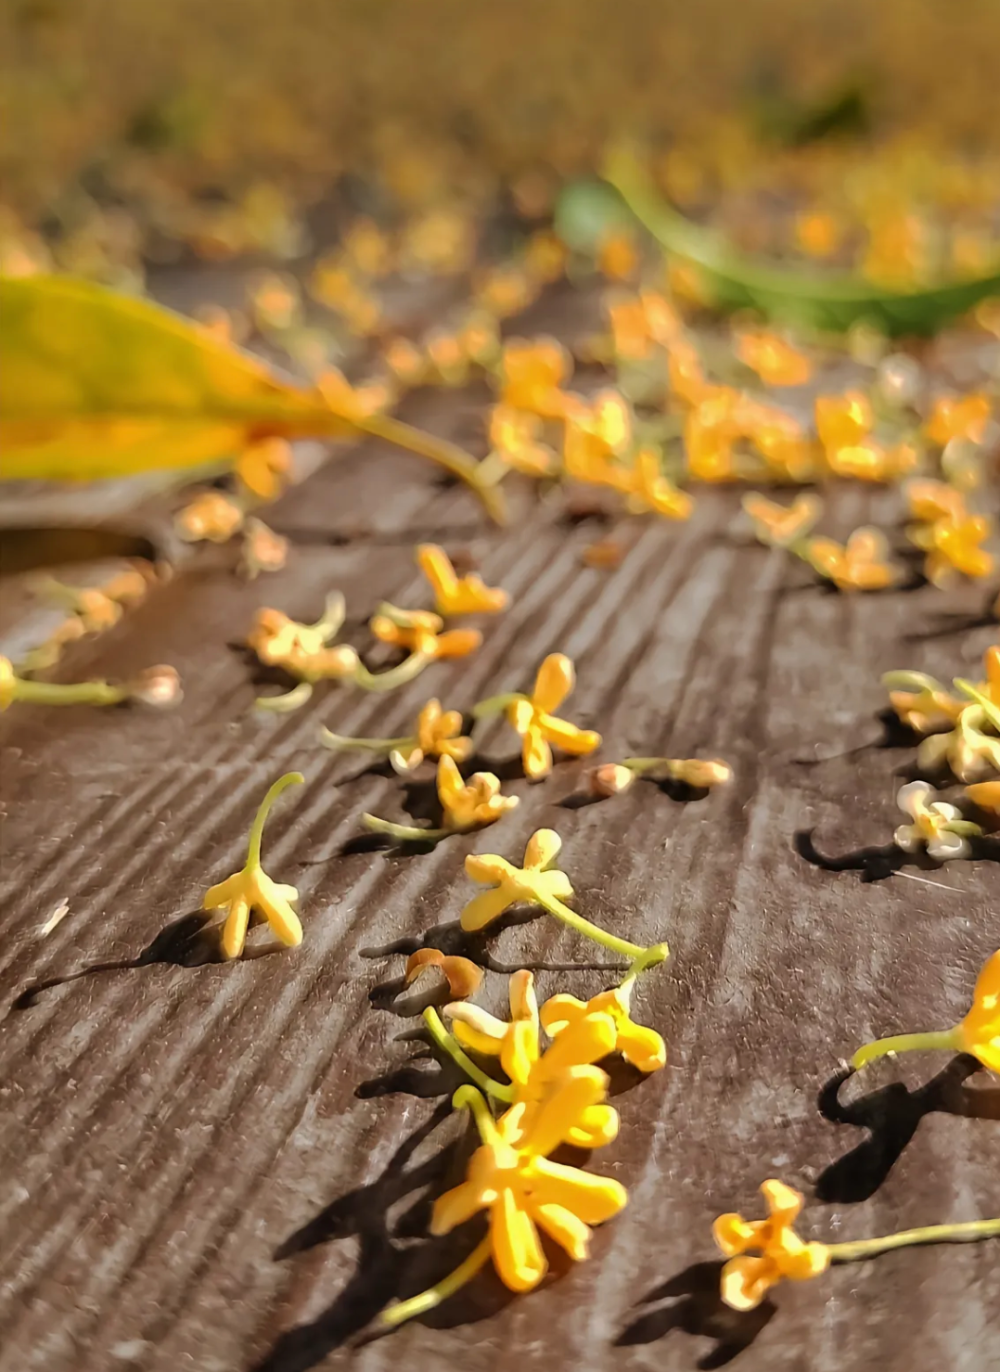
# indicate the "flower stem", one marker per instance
pixel 970 1232
pixel 333 616
pixel 450 1045
pixel 336 742
pixel 942 1039
pixel 395 676
pixel 263 809
pixel 492 469
pixel 495 704
pixel 638 765
pixel 407 832
pixel 592 931
pixel 988 707
pixel 427 1300
pixel 468 1098
pixel 77 693
pixel 285 704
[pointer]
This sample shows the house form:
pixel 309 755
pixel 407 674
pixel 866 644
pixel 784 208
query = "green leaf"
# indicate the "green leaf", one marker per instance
pixel 831 302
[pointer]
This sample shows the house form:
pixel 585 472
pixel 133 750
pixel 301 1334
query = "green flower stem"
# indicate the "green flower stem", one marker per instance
pixel 285 704
pixel 910 681
pixel 333 616
pixel 77 693
pixel 395 676
pixel 408 832
pixel 450 1045
pixel 337 742
pixel 495 704
pixel 427 1300
pixel 257 828
pixel 990 710
pixel 650 957
pixel 639 765
pixel 468 1098
pixel 947 1040
pixel 555 907
pixel 492 470
pixel 972 1231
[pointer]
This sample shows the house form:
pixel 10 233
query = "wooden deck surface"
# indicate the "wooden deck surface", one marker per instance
pixel 228 1168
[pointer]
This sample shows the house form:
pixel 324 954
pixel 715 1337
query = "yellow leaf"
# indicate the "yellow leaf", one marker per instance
pixel 97 384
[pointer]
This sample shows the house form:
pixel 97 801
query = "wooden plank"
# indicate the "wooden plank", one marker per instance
pixel 230 1167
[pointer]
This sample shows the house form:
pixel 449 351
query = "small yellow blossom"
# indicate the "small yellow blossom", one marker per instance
pixel 211 516
pixel 421 631
pixel 515 439
pixel 303 650
pixel 843 421
pixel 252 889
pixel 631 339
pixel 506 290
pixel 596 435
pixel 762 1252
pixel 617 257
pixel 405 360
pixel 936 824
pixel 263 549
pixel 652 491
pixel 642 1047
pixel 930 500
pixel 818 233
pixel 532 716
pixel 710 431
pixel 352 402
pixel 955 546
pixel 963 416
pixel 859 565
pixel 532 374
pixel 454 595
pixel 782 525
pixel 447 357
pixel 685 375
pixel 439 734
pixel 872 461
pixel 774 359
pixel 971 754
pixel 610 779
pixel 471 804
pixel 921 702
pixel 533 884
pixel 263 467
pixel 512 1177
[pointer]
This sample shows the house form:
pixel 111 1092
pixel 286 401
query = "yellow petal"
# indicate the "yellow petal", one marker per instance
pixel 476 1027
pixel 641 1046
pixel 455 1207
pixel 569 737
pixel 272 900
pixel 436 567
pixel 783 1202
pixel 560 1011
pixel 568 1231
pixel 572 1092
pixel 405 760
pixel 519 1052
pixel 484 908
pixel 746 1281
pixel 804 1260
pixel 541 850
pixel 555 679
pixel 449 783
pixel 458 642
pixel 597 1126
pixel 536 755
pixel 590 1038
pixel 487 868
pixel 592 1199
pixel 517 1252
pixel 224 892
pixel 733 1234
pixel 234 931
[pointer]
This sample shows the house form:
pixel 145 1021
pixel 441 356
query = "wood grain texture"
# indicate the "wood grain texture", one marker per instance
pixel 229 1168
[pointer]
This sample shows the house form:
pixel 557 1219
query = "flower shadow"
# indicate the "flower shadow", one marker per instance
pixel 690 1302
pixel 895 734
pixel 892 1115
pixel 875 863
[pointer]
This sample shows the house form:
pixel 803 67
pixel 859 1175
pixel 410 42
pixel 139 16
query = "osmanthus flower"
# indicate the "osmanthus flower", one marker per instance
pixel 929 500
pixel 843 421
pixel 711 429
pixel 455 595
pixel 263 549
pixel 763 1252
pixel 211 516
pixel 252 889
pixel 352 402
pixel 859 565
pixel 921 702
pixel 438 733
pixel 532 716
pixel 263 468
pixel 936 824
pixel 516 442
pixel 304 651
pixel 963 416
pixel 774 359
pixel 618 256
pixel 597 436
pixel 780 526
pixel 532 374
pixel 539 882
pixel 422 633
pixel 406 361
pixel 157 686
pixel 650 490
pixel 644 1048
pixel 966 750
pixel 611 778
pixel 97 607
pixel 465 805
pixel 872 461
pixel 977 1033
pixel 954 546
pixel 513 1179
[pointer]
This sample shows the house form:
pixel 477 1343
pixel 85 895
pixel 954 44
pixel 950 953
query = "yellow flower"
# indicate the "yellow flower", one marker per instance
pixel 211 516
pixel 405 360
pixel 252 889
pixel 872 461
pixel 630 334
pixel 597 433
pixel 532 374
pixel 954 546
pixel 979 1031
pixel 617 256
pixel 959 417
pixel 642 1047
pixel 471 804
pixel 352 402
pixel 774 359
pixel 262 467
pixel 534 1074
pixel 514 437
pixel 652 491
pixel 420 631
pixel 8 683
pixel 685 376
pixel 532 884
pixel 930 501
pixel 454 595
pixel 923 705
pixel 860 565
pixel 777 1251
pixel 533 719
pixel 303 649
pixel 710 430
pixel 935 823
pixel 263 549
pixel 842 421
pixel 439 734
pixel 966 750
pixel 512 1178
pixel 781 525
